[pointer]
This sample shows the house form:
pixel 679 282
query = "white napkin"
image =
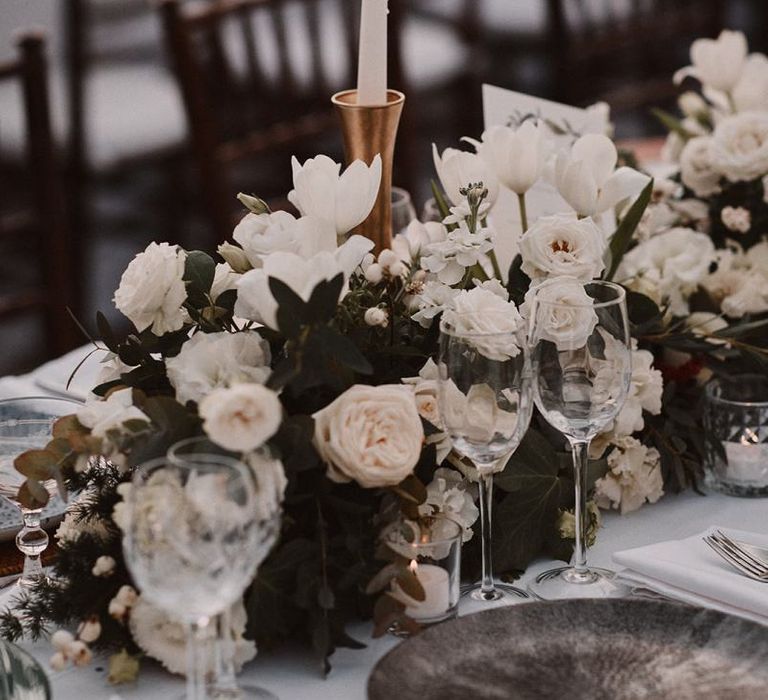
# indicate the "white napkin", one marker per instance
pixel 690 571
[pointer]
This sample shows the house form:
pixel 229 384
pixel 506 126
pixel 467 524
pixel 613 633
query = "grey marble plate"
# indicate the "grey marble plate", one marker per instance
pixel 21 677
pixel 581 650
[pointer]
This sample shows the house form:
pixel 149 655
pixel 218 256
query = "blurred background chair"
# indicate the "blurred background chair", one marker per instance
pixel 37 282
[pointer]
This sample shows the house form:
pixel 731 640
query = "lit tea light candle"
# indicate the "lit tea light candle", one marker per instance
pixel 372 59
pixel 436 584
pixel 747 459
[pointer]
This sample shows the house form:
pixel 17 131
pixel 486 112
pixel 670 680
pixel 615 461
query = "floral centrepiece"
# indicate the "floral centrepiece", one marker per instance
pixel 300 339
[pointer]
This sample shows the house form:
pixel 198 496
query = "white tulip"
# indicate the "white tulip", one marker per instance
pixel 717 63
pixel 457 169
pixel 751 92
pixel 587 177
pixel 254 298
pixel 517 156
pixel 342 200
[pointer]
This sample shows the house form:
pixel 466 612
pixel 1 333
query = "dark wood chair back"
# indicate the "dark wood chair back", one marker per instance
pixel 256 77
pixel 40 222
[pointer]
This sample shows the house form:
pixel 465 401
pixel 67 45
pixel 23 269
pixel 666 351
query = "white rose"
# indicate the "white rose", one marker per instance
pixel 152 290
pixel 717 63
pixel 564 312
pixel 458 169
pixel 751 92
pixel 740 146
pixel 748 296
pixel 208 361
pixel 372 435
pixel 676 261
pixel 450 494
pixel 563 245
pixel 587 177
pixel 634 477
pixel 341 200
pixel 241 417
pixel 376 316
pixel 482 312
pixel 103 415
pixel 517 156
pixel 697 170
pixel 254 298
pixel 757 257
pixel 736 219
pixel 765 188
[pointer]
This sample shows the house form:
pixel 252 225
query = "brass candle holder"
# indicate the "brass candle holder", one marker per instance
pixel 368 130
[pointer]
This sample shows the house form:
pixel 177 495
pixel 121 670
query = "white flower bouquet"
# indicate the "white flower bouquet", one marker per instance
pixel 303 340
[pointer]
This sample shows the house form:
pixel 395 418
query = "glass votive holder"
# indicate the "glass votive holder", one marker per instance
pixel 434 559
pixel 735 417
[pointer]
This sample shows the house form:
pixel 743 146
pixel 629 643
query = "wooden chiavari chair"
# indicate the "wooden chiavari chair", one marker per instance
pixel 40 222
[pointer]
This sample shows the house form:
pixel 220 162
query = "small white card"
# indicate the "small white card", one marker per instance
pixel 510 108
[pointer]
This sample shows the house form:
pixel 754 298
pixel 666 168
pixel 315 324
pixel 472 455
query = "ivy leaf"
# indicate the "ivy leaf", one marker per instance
pixel 518 282
pixel 343 350
pixel 626 229
pixel 105 332
pixel 322 304
pixel 290 308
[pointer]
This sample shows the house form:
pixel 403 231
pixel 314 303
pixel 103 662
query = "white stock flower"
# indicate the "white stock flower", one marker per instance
pixel 425 391
pixel 410 245
pixel 740 146
pixel 645 390
pixel 152 290
pixel 697 169
pixel 517 156
pixel 165 639
pixel 736 219
pixel 482 312
pixel 271 482
pixel 254 298
pixel 705 323
pixel 675 262
pixel 370 434
pixel 450 258
pixel 563 245
pixel 433 299
pixel 208 361
pixel 342 200
pixel 564 312
pixel 587 177
pixel 738 291
pixel 751 92
pixel 717 63
pixel 458 169
pixel 241 417
pixel 104 415
pixel 634 477
pixel 450 494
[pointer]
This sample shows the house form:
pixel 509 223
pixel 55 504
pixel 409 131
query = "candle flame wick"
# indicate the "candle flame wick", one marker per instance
pixel 749 437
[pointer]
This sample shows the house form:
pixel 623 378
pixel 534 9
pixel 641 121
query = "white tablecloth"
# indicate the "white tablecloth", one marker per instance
pixel 292 674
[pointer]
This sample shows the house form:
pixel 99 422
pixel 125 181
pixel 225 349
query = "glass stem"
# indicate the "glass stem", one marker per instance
pixel 226 678
pixel 580 451
pixel 486 502
pixel 32 541
pixel 197 663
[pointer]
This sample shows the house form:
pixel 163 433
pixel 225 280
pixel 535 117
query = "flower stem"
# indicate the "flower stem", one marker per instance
pixel 523 211
pixel 495 263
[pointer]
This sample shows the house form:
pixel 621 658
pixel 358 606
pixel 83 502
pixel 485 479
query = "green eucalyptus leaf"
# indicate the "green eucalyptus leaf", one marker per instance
pixel 199 271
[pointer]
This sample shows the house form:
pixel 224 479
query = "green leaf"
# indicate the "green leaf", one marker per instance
pixel 322 304
pixel 442 205
pixel 32 495
pixel 199 271
pixel 344 351
pixel 36 464
pixel 671 123
pixel 518 282
pixel 291 309
pixel 105 332
pixel 626 229
pixel 741 329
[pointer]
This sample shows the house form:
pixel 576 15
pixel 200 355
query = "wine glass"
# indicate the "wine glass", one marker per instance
pixel 27 424
pixel 485 406
pixel 403 211
pixel 224 683
pixel 581 359
pixel 196 535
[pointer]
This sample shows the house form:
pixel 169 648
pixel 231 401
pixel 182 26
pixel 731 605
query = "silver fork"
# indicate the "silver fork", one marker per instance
pixel 742 561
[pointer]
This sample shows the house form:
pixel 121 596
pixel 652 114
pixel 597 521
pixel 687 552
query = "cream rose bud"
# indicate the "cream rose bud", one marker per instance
pixel 370 434
pixel 90 630
pixel 740 146
pixel 736 219
pixel 61 639
pixel 692 104
pixel 58 661
pixel 697 169
pixel 374 273
pixel 79 652
pixel 152 289
pixel 563 245
pixel 376 317
pixel 564 311
pixel 241 417
pixel 235 256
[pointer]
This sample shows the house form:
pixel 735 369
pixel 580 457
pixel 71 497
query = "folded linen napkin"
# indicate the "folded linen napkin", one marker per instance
pixel 688 570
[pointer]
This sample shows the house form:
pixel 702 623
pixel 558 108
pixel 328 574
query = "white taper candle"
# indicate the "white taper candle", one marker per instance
pixel 372 59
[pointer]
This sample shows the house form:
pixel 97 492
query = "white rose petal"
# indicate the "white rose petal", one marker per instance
pixel 241 417
pixel 697 169
pixel 564 312
pixel 740 146
pixel 209 361
pixel 152 290
pixel 372 435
